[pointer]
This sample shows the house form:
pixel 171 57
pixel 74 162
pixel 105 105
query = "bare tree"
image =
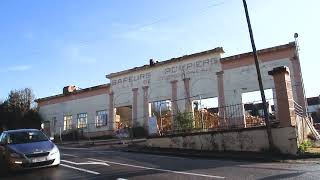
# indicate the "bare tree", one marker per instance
pixel 20 100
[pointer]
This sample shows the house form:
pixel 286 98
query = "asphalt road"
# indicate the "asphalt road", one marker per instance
pixel 84 163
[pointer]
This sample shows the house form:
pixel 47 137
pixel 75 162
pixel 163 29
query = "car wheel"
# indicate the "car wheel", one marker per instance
pixel 5 165
pixel 55 166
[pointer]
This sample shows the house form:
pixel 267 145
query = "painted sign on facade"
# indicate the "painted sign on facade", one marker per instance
pixel 128 81
pixel 189 68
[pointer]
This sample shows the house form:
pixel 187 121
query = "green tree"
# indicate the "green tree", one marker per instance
pixel 18 111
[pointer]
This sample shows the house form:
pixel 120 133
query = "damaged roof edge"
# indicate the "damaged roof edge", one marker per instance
pixel 266 50
pixel 76 92
pixel 181 58
pixel 215 50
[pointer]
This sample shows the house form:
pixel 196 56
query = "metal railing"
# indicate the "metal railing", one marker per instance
pixel 201 119
pixel 299 110
pixel 212 119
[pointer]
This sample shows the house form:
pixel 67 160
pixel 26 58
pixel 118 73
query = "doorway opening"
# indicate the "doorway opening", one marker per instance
pixel 206 113
pixel 162 110
pixel 253 107
pixel 123 117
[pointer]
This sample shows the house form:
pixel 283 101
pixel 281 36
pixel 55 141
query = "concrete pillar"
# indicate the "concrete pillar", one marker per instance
pixel 298 83
pixel 284 96
pixel 188 102
pixel 135 107
pixel 145 107
pixel 221 100
pixel 174 102
pixel 111 119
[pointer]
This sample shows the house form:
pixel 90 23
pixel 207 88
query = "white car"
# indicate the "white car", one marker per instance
pixel 27 148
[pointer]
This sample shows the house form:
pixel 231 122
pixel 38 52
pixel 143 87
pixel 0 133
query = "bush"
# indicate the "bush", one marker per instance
pixel 304 146
pixel 184 121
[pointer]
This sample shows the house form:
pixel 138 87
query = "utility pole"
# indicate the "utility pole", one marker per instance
pixel 263 97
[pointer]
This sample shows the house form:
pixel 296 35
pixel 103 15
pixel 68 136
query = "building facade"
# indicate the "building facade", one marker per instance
pixel 77 109
pixel 130 98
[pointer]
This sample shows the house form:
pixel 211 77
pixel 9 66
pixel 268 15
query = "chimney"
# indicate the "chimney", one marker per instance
pixel 69 89
pixel 151 62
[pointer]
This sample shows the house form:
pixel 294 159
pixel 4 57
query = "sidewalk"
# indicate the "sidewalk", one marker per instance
pixel 133 145
pixel 90 143
pixel 240 156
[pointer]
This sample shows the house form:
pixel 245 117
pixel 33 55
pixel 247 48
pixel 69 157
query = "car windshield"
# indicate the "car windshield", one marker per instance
pixel 26 137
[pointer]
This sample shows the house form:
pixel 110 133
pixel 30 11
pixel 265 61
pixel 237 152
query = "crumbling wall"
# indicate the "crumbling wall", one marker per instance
pixel 305 130
pixel 249 140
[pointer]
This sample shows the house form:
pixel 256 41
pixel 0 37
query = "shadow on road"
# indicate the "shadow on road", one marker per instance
pixel 282 176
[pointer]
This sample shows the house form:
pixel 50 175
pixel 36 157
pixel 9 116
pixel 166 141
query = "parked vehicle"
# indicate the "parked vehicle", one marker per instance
pixel 27 148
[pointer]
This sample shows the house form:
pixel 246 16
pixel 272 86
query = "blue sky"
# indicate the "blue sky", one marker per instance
pixel 47 44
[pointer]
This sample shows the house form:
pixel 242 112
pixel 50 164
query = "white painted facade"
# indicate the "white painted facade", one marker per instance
pixel 244 79
pixel 201 70
pixel 203 81
pixel 207 76
pixel 89 105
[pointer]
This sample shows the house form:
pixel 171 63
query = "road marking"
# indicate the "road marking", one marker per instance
pixel 69 155
pixel 158 169
pixel 80 169
pixel 86 163
pixel 88 149
pixel 71 148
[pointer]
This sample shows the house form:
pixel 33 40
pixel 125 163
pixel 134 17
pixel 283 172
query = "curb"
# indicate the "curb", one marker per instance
pixel 231 156
pixel 115 142
pixel 267 158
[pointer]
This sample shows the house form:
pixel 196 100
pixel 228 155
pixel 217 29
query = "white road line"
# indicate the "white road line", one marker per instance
pixel 80 169
pixel 86 163
pixel 68 155
pixel 71 148
pixel 88 150
pixel 158 169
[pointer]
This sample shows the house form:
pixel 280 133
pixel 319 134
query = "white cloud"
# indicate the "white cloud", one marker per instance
pixel 146 28
pixel 151 34
pixel 16 68
pixel 76 53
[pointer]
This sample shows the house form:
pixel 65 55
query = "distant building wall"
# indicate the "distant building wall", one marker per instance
pixel 89 102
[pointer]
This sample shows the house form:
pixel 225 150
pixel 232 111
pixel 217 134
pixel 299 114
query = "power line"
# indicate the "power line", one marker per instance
pixel 200 11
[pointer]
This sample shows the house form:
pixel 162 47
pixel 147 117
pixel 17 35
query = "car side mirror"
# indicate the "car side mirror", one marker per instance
pixel 51 138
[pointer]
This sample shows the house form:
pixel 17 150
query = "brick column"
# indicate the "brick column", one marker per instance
pixel 135 107
pixel 188 102
pixel 111 122
pixel 174 103
pixel 221 100
pixel 285 102
pixel 145 107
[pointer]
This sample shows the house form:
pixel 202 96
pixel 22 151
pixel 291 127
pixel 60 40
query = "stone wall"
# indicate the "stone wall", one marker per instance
pixel 249 140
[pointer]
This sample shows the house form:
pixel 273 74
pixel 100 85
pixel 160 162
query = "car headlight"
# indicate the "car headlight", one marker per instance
pixel 54 151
